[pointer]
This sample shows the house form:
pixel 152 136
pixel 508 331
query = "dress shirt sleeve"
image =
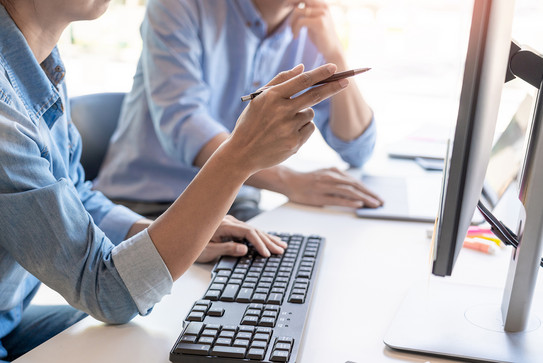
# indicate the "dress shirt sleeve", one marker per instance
pixel 47 230
pixel 176 91
pixel 355 152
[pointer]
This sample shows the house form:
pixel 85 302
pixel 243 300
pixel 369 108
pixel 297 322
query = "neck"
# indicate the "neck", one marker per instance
pixel 40 31
pixel 273 12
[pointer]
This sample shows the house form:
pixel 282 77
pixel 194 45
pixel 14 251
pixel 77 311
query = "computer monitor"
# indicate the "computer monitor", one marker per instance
pixel 462 321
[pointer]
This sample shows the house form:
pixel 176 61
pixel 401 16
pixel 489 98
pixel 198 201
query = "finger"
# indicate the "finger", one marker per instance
pixel 214 250
pixel 319 93
pixel 339 201
pixel 306 131
pixel 340 177
pixel 286 75
pixel 348 192
pixel 273 244
pixel 305 80
pixel 303 117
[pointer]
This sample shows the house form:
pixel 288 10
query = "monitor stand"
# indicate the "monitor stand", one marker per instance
pixel 462 322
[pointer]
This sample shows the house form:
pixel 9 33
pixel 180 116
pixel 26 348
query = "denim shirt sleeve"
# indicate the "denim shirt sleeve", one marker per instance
pixel 46 228
pixel 355 152
pixel 177 94
pixel 114 220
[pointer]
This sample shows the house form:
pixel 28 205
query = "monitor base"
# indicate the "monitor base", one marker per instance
pixel 464 322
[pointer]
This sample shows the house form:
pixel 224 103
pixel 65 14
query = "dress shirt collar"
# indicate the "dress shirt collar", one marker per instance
pixel 36 84
pixel 258 26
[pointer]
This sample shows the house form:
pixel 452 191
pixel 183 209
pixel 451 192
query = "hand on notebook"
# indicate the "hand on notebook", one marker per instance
pixel 330 186
pixel 231 230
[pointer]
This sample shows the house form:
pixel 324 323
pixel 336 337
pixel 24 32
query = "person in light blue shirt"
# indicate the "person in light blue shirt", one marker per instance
pixel 104 259
pixel 199 57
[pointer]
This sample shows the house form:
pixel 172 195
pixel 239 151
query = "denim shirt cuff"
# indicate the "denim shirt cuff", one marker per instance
pixel 357 151
pixel 117 222
pixel 142 270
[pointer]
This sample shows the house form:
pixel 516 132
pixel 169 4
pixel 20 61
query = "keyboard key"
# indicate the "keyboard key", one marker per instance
pixel 249 320
pixel 244 335
pixel 230 292
pixel 223 341
pixel 215 311
pixel 270 322
pixel 226 263
pixel 212 294
pixel 188 348
pixel 259 344
pixel 203 302
pixel 230 352
pixel 194 328
pixel 210 333
pixel 241 343
pixel 296 298
pixel 263 337
pixel 248 329
pixel 196 316
pixel 226 334
pixel 256 353
pixel 289 340
pixel 206 340
pixel 259 298
pixel 187 338
pixel 264 330
pixel 275 299
pixel 279 356
pixel 244 295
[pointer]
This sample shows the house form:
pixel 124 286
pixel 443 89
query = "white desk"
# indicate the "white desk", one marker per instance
pixel 367 267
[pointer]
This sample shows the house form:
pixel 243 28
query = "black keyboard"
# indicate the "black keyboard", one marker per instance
pixel 255 308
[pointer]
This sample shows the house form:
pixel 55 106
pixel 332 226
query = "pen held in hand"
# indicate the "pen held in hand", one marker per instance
pixel 332 78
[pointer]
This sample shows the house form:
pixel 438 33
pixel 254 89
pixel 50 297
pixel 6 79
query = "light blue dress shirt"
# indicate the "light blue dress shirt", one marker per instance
pixel 53 227
pixel 199 57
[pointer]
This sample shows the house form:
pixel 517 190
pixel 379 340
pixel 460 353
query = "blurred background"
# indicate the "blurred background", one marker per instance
pixel 416 50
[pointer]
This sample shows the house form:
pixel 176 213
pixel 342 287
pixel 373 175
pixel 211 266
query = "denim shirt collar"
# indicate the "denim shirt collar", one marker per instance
pixel 259 27
pixel 38 85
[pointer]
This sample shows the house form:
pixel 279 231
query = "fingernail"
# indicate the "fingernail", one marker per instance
pixel 331 68
pixel 343 82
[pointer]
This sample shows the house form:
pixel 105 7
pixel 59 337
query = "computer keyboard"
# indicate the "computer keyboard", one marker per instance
pixel 255 308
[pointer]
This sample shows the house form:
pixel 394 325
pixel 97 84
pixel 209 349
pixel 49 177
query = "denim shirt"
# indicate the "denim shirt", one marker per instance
pixel 53 227
pixel 199 57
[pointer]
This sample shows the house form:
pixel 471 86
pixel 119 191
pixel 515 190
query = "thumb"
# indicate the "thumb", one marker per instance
pixel 215 250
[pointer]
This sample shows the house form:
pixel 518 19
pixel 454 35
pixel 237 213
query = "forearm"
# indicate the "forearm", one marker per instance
pixel 350 115
pixel 182 232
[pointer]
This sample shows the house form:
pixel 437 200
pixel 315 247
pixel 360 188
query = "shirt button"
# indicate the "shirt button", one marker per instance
pixel 256 84
pixel 58 69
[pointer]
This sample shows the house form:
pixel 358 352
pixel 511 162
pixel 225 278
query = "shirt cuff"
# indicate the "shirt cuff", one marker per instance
pixel 117 222
pixel 142 270
pixel 197 132
pixel 357 151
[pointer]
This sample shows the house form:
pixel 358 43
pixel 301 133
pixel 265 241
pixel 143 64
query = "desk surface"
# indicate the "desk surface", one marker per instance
pixel 367 268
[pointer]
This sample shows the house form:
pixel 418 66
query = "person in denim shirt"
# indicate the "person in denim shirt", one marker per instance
pixel 105 260
pixel 199 57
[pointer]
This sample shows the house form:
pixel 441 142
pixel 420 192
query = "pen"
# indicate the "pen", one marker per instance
pixel 332 78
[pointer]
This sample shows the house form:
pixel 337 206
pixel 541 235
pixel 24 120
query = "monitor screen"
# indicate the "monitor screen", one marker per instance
pixel 469 153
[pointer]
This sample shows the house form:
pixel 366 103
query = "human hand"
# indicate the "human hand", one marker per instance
pixel 276 124
pixel 315 16
pixel 330 186
pixel 230 229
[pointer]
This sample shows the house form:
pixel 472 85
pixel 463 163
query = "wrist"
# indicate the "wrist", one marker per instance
pixel 338 58
pixel 234 160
